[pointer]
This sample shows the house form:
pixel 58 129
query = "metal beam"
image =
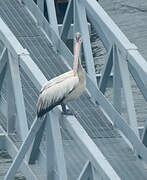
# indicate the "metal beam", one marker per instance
pixel 138 63
pixel 34 73
pixel 68 18
pixel 138 80
pixel 18 94
pixel 128 96
pixel 15 48
pixel 87 172
pixel 11 107
pixel 97 27
pixel 108 108
pixel 111 30
pixel 2 76
pixel 109 81
pixel 80 17
pixel 41 5
pixel 106 71
pixel 3 59
pixel 141 130
pixel 59 45
pixel 125 43
pixel 38 78
pixel 75 19
pixel 36 144
pixel 2 141
pixel 12 151
pixel 52 15
pixel 89 148
pixel 67 56
pixel 56 167
pixel 3 108
pixel 69 33
pixel 32 70
pixel 3 66
pixel 10 40
pixel 118 121
pixel 42 22
pixel 114 34
pixel 144 135
pixel 116 82
pixel 23 149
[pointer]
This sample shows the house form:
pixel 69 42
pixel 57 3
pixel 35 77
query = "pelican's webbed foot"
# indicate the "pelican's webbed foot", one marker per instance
pixel 66 111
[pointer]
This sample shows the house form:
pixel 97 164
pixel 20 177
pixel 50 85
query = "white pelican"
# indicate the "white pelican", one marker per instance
pixel 64 88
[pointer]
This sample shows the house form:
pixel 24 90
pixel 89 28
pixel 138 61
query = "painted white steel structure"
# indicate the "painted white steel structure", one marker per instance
pixel 122 55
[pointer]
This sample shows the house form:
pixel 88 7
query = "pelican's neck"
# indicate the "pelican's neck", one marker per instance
pixel 76 57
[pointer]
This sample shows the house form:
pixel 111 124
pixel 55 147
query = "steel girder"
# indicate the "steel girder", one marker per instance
pixel 96 14
pixel 112 37
pixel 132 53
pixel 38 79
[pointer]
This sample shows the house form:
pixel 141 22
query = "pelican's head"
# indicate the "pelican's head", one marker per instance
pixel 78 37
pixel 77 63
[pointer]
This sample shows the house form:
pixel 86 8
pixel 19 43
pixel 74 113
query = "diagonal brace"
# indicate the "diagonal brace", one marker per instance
pixel 41 5
pixel 12 150
pixel 106 71
pixel 52 15
pixel 116 82
pixel 67 21
pixel 11 108
pixel 23 149
pixel 18 95
pixel 89 148
pixel 142 86
pixel 3 65
pixel 86 173
pixel 56 167
pixel 3 59
pixel 124 72
pixel 35 149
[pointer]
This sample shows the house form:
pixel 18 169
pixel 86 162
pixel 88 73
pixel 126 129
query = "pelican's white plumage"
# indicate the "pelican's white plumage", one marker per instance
pixel 56 90
pixel 64 88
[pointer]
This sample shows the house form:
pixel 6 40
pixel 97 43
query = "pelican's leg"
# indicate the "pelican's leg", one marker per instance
pixel 43 117
pixel 65 110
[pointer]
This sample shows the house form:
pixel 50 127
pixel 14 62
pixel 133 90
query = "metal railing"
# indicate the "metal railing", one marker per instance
pixel 121 54
pixel 21 57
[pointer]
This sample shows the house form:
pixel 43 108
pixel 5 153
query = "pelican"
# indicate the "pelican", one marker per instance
pixel 63 88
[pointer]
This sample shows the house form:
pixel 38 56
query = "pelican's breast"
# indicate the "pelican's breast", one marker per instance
pixel 77 92
pixel 55 90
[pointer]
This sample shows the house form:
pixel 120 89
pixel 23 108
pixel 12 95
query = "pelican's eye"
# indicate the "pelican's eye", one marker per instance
pixel 80 40
pixel 78 37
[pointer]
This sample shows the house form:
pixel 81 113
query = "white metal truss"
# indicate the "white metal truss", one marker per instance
pixel 13 56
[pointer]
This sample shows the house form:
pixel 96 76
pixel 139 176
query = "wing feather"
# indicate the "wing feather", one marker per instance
pixel 56 80
pixel 56 90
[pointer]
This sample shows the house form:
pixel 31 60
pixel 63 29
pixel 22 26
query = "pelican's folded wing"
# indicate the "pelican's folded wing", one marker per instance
pixel 56 80
pixel 55 90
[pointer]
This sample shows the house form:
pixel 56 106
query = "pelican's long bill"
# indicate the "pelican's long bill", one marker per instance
pixel 77 51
